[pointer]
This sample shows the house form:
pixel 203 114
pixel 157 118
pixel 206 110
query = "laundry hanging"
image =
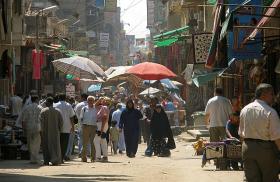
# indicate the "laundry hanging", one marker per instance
pixel 37 61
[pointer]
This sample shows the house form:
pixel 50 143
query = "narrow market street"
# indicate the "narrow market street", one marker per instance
pixel 82 82
pixel 181 166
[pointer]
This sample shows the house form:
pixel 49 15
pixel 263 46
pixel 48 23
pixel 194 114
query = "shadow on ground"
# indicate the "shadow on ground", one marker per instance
pixel 18 164
pixel 63 178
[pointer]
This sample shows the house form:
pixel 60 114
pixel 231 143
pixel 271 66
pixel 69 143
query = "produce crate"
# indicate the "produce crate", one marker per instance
pixel 234 151
pixel 215 150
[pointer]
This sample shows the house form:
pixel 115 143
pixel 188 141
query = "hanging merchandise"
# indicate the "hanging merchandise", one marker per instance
pixel 277 69
pixel 5 65
pixel 37 61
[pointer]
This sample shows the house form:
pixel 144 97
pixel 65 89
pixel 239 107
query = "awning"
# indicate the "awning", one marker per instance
pixel 197 74
pixel 270 12
pixel 201 76
pixel 171 32
pixel 170 37
pixel 165 42
pixel 204 78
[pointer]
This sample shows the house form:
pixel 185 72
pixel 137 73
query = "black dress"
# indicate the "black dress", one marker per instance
pixel 129 122
pixel 160 131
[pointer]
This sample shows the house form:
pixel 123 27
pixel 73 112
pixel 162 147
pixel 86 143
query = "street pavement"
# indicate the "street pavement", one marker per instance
pixel 181 166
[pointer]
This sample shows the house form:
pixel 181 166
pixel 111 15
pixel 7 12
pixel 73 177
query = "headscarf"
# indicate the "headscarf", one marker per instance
pixel 129 101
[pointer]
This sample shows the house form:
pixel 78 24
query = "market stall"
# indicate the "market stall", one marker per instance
pixel 13 144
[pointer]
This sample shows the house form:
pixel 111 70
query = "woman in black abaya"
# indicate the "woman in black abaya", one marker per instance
pixel 160 131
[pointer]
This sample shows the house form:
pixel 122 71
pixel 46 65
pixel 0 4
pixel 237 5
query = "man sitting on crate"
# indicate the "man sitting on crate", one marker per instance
pixel 232 133
pixel 260 129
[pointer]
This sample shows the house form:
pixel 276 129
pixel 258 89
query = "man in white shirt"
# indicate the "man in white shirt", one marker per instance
pixel 67 113
pixel 88 119
pixel 260 129
pixel 78 109
pixel 32 127
pixel 218 111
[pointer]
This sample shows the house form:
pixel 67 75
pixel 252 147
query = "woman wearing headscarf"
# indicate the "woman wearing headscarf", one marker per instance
pixel 100 142
pixel 129 122
pixel 160 130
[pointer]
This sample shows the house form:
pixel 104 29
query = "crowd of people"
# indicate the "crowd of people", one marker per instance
pixel 55 124
pixel 256 125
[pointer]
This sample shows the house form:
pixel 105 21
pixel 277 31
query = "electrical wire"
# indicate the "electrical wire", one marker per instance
pixel 128 8
pixel 141 21
pixel 129 4
pixel 92 26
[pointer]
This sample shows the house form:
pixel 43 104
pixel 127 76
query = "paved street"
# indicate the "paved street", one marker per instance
pixel 182 166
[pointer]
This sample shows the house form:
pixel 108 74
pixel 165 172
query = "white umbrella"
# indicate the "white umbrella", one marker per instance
pixel 119 74
pixel 150 90
pixel 79 67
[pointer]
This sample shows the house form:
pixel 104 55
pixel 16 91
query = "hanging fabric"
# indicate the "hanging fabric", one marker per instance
pixel 37 61
pixel 5 65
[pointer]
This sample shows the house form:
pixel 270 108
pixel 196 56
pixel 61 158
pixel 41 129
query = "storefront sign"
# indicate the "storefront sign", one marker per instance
pixel 70 90
pixel 104 40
